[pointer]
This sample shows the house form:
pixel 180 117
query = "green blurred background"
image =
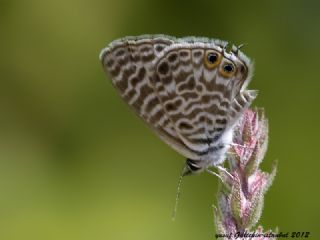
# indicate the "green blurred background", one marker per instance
pixel 76 163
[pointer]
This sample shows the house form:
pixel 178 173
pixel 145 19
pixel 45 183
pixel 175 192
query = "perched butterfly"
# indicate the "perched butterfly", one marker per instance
pixel 191 91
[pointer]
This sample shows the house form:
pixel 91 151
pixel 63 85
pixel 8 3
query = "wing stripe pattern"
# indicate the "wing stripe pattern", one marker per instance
pixel 128 62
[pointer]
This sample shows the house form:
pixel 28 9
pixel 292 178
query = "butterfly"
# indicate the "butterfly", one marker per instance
pixel 191 91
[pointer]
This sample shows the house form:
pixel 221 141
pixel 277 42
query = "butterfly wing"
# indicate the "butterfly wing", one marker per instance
pixel 129 63
pixel 169 85
pixel 202 101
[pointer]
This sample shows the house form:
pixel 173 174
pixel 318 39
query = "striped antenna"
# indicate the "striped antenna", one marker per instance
pixel 174 213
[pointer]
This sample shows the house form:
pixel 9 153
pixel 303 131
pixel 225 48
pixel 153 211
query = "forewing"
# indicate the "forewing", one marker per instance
pixel 129 63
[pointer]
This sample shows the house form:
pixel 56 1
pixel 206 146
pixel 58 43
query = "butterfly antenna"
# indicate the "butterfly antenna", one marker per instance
pixel 174 213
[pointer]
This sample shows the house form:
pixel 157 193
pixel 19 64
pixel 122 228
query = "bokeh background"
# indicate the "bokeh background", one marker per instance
pixel 76 163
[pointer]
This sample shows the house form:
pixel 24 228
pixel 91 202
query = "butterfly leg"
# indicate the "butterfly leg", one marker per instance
pixel 225 171
pixel 214 174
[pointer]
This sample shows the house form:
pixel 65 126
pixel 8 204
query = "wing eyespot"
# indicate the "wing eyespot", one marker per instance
pixel 228 70
pixel 212 59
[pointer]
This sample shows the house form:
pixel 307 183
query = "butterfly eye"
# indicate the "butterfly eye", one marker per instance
pixel 228 70
pixel 212 59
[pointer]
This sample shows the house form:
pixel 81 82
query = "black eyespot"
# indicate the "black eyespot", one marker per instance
pixel 212 58
pixel 228 68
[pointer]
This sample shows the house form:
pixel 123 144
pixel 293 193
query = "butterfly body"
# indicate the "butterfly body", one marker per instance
pixel 190 91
